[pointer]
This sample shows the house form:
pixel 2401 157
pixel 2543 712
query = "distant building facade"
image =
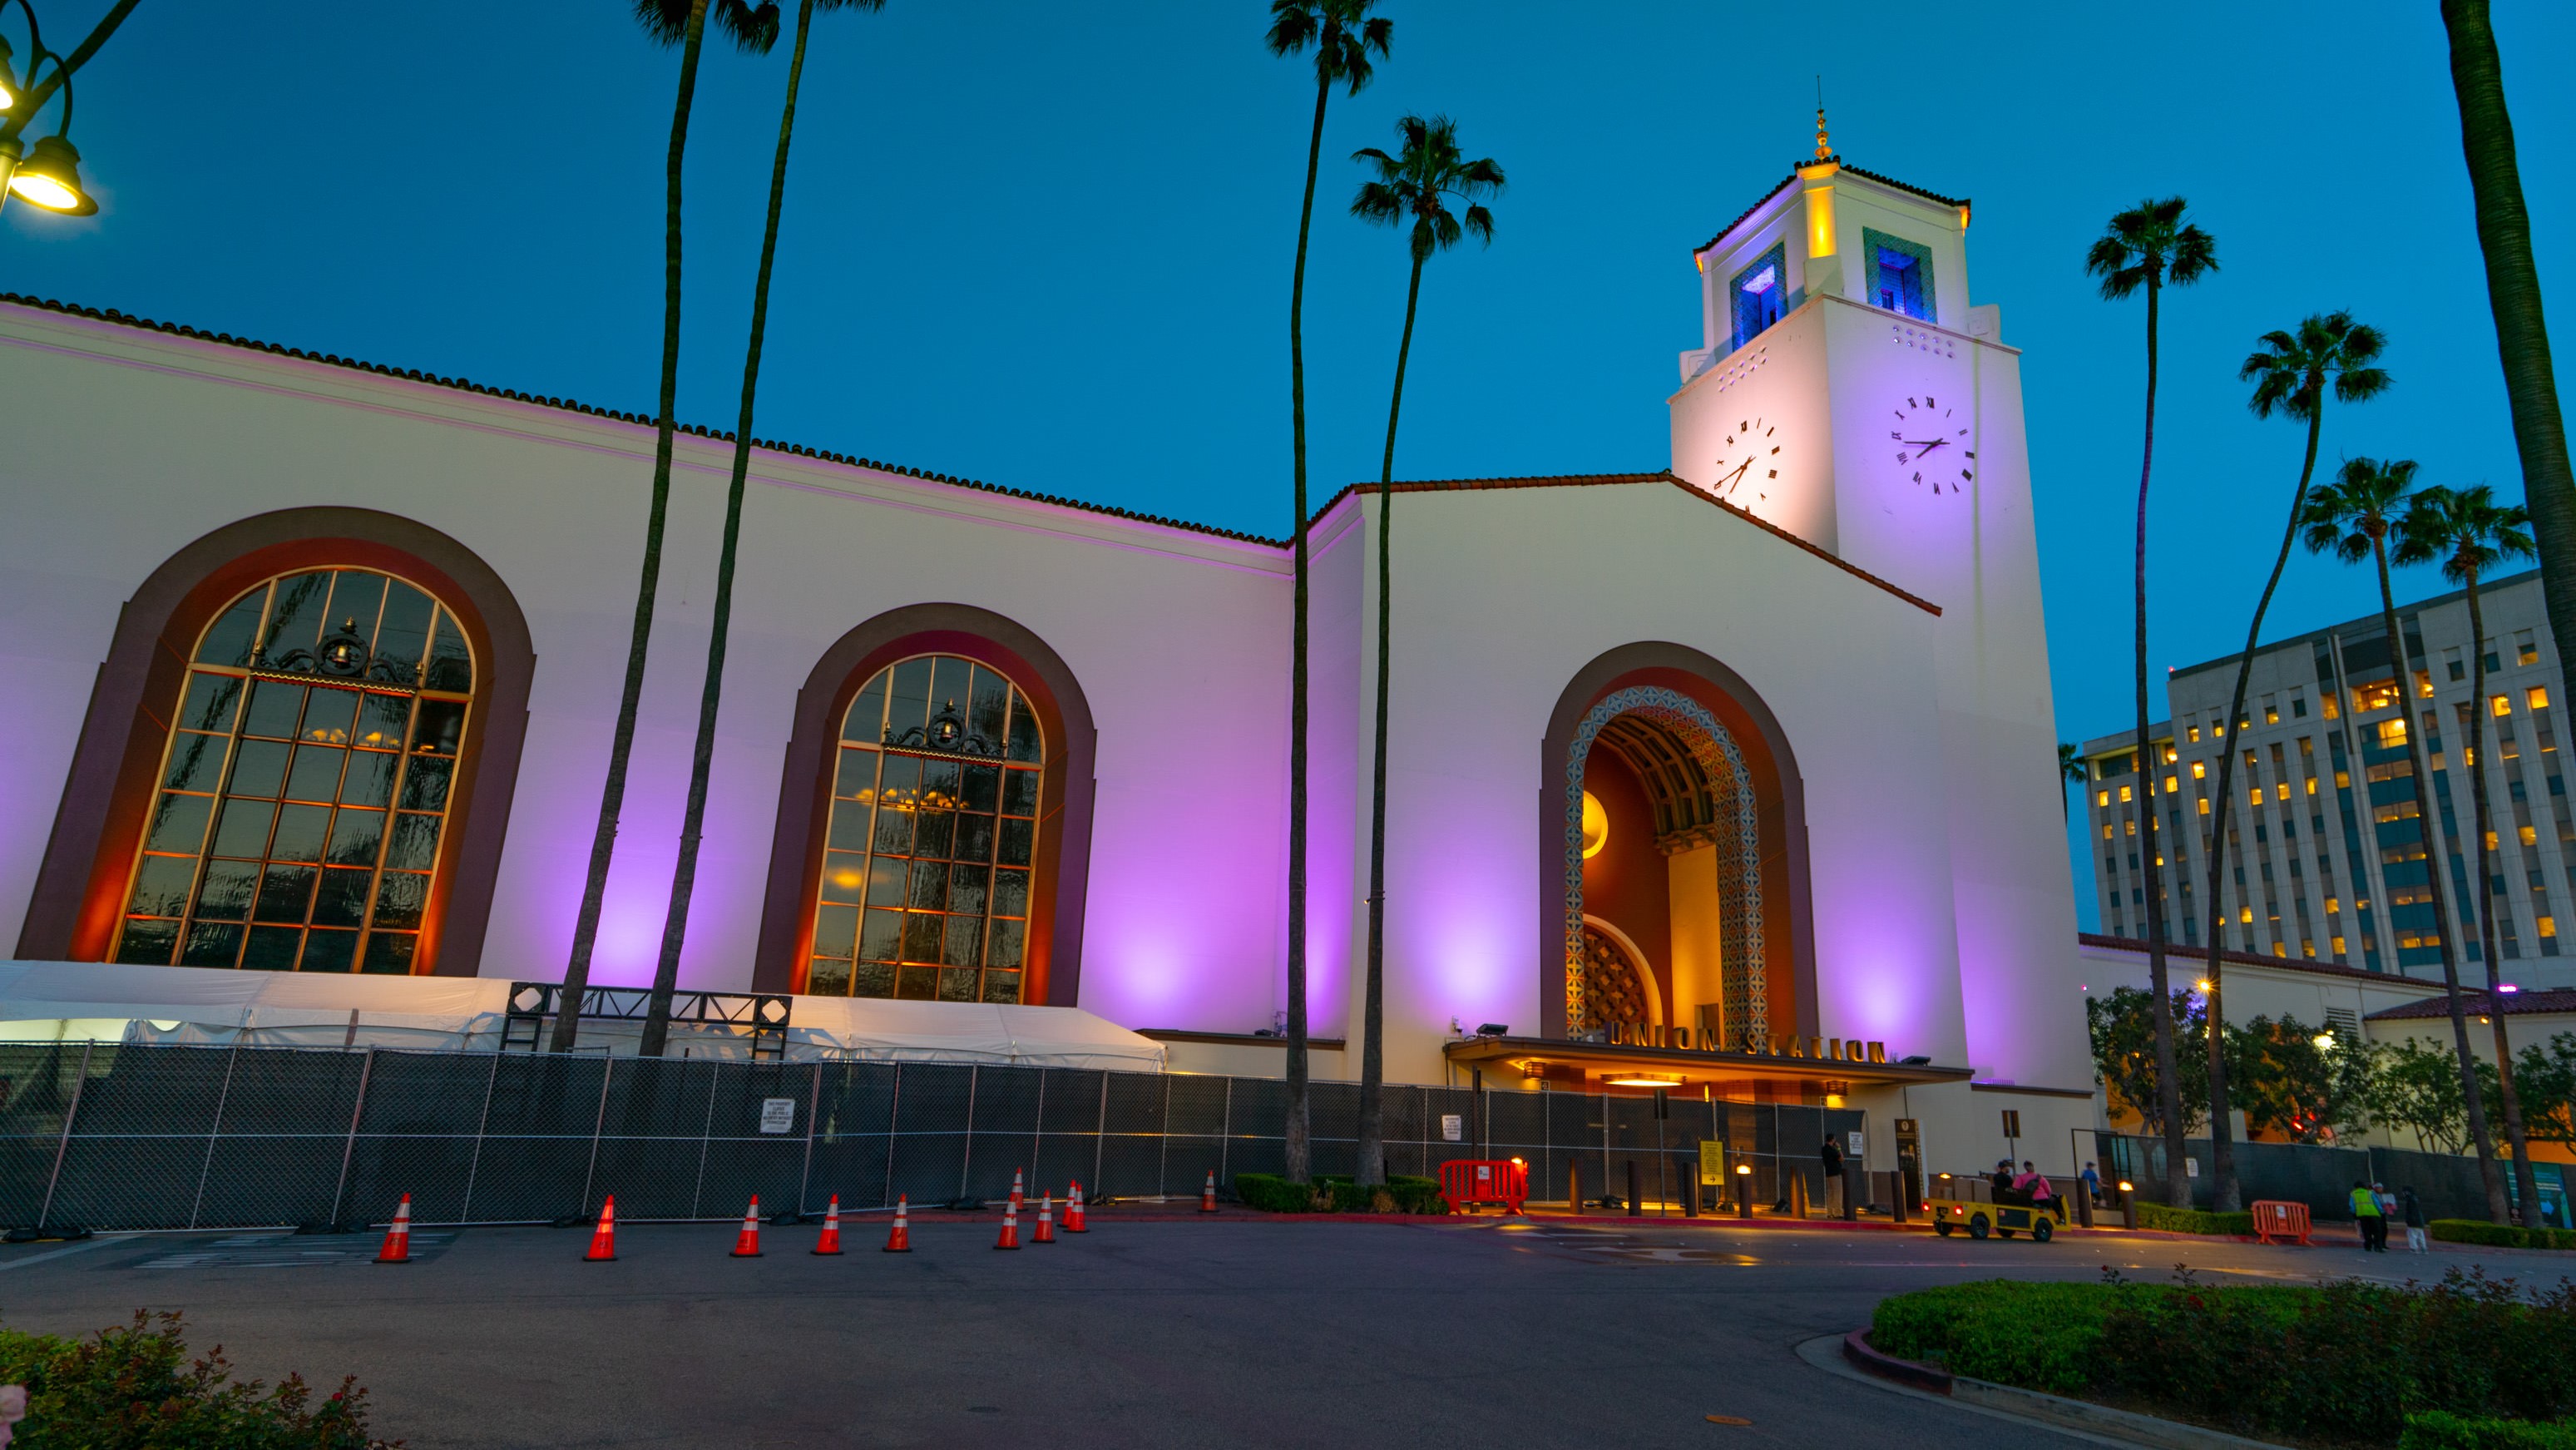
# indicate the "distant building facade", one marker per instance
pixel 2333 863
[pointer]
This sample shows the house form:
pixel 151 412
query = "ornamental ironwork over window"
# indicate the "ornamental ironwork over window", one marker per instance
pixel 925 882
pixel 304 790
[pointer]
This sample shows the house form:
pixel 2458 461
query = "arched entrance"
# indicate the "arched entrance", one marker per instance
pixel 1672 814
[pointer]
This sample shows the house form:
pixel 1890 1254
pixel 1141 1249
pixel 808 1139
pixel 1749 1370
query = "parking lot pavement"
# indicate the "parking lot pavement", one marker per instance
pixel 1429 1333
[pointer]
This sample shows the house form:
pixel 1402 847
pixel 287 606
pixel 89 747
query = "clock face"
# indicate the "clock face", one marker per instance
pixel 1930 443
pixel 1748 462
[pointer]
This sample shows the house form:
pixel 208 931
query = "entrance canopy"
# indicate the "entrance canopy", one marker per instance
pixel 108 1002
pixel 1613 1066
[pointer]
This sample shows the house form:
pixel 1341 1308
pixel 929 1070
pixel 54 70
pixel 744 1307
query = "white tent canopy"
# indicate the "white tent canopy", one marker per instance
pixel 55 1001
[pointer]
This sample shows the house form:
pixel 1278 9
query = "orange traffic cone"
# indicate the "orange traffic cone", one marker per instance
pixel 1046 1219
pixel 1010 1225
pixel 1016 1192
pixel 603 1239
pixel 1207 1195
pixel 746 1244
pixel 397 1249
pixel 1073 1223
pixel 830 1242
pixel 900 1240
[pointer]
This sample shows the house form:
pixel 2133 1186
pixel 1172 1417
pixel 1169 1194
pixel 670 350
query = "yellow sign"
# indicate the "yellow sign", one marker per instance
pixel 1712 1163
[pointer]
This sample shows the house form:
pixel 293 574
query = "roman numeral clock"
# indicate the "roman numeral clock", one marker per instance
pixel 1930 440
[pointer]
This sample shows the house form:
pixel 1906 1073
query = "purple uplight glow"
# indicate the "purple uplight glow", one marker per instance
pixel 2507 987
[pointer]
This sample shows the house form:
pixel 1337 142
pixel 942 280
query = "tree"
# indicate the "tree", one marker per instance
pixel 2467 533
pixel 2352 519
pixel 1342 33
pixel 2513 295
pixel 2151 247
pixel 2292 373
pixel 668 22
pixel 2295 1080
pixel 2546 1079
pixel 2420 1088
pixel 684 873
pixel 1417 184
pixel 2125 1028
pixel 2070 767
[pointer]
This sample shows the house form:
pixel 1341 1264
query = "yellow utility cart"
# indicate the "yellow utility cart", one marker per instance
pixel 1969 1203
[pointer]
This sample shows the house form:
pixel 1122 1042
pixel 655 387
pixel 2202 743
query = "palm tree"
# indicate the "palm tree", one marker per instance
pixel 2513 294
pixel 2070 767
pixel 2467 534
pixel 2352 518
pixel 1417 183
pixel 684 875
pixel 681 22
pixel 2292 372
pixel 1342 33
pixel 2151 246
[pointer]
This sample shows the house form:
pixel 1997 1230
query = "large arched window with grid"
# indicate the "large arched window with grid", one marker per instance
pixel 925 884
pixel 304 791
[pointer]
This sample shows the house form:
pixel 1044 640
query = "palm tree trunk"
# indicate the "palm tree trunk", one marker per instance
pixel 1299 1153
pixel 2436 858
pixel 2226 1196
pixel 621 746
pixel 684 876
pixel 2513 294
pixel 2168 1089
pixel 2525 1181
pixel 1373 1015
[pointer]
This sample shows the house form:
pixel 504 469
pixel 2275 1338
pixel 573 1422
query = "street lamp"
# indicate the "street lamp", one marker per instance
pixel 49 177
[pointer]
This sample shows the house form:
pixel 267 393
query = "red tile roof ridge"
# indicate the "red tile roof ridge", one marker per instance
pixel 1792 179
pixel 2547 1001
pixel 2251 959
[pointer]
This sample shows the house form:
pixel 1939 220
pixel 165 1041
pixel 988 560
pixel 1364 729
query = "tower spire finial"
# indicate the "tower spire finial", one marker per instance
pixel 1824 145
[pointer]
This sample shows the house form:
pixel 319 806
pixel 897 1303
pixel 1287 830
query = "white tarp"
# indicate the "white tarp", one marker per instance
pixel 50 1001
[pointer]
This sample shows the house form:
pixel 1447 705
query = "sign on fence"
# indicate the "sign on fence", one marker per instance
pixel 778 1115
pixel 1712 1163
pixel 1859 1143
pixel 1453 1127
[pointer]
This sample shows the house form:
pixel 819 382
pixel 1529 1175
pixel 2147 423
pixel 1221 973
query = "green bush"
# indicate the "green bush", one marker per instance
pixel 2193 1220
pixel 2439 1430
pixel 1273 1193
pixel 135 1388
pixel 2502 1236
pixel 2347 1361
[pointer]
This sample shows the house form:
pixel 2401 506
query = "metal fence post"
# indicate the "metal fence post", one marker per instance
pixel 706 1135
pixel 813 1108
pixel 598 1125
pixel 214 1130
pixel 1100 1135
pixel 966 1153
pixel 482 1125
pixel 63 1144
pixel 1225 1136
pixel 349 1149
pixel 1037 1130
pixel 894 1106
pixel 1163 1152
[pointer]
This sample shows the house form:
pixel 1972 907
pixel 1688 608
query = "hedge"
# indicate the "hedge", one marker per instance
pixel 134 1387
pixel 1330 1193
pixel 2438 1430
pixel 2346 1361
pixel 2193 1220
pixel 2501 1236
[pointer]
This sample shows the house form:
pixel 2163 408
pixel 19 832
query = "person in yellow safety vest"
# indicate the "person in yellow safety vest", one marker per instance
pixel 2374 1224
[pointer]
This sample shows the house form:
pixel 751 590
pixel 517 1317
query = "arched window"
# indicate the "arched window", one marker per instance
pixel 925 885
pixel 305 787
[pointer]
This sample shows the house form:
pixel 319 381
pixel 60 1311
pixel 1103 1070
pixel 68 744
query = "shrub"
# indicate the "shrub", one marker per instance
pixel 135 1388
pixel 2193 1220
pixel 2440 1430
pixel 2041 1336
pixel 1272 1193
pixel 2502 1236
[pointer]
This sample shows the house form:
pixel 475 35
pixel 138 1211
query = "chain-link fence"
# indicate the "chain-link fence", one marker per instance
pixel 2448 1185
pixel 113 1136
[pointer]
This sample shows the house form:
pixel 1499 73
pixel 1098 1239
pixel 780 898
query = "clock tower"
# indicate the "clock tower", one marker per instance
pixel 1845 391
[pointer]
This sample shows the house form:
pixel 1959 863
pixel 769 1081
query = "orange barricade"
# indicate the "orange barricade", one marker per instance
pixel 1467 1182
pixel 2275 1221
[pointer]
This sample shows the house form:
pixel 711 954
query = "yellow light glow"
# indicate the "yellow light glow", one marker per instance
pixel 1833 1100
pixel 2324 1041
pixel 1596 827
pixel 2203 985
pixel 44 191
pixel 1644 1080
pixel 1745 1169
pixel 2126 1186
pixel 848 880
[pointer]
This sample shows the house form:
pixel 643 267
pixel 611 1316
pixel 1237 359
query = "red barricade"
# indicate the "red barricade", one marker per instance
pixel 2278 1222
pixel 1467 1182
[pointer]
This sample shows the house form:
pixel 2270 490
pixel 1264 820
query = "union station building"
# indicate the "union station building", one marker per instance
pixel 1730 777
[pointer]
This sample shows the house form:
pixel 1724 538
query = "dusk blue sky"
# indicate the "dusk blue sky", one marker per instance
pixel 1049 247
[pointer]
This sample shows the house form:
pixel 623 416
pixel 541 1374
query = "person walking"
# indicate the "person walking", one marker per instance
pixel 1833 1161
pixel 2374 1224
pixel 2091 1178
pixel 2411 1210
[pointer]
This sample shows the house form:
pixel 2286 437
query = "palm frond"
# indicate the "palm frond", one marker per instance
pixel 665 22
pixel 752 28
pixel 1294 25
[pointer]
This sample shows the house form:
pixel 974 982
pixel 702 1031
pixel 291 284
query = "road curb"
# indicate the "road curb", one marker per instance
pixel 2036 1407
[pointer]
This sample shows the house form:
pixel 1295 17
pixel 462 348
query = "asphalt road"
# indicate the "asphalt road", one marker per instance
pixel 1189 1335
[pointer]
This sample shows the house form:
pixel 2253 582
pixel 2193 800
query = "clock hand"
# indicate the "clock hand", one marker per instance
pixel 1928 444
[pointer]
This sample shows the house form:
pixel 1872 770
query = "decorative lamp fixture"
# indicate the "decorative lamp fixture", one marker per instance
pixel 8 79
pixel 1745 1170
pixel 1645 1080
pixel 1493 1029
pixel 1596 827
pixel 2204 986
pixel 50 178
pixel 2126 1186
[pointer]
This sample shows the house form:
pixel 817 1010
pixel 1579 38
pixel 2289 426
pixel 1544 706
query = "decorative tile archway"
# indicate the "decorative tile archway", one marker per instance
pixel 1745 996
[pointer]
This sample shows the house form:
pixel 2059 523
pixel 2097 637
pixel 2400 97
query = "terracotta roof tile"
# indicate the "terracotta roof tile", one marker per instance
pixel 2180 953
pixel 1792 180
pixel 2558 1000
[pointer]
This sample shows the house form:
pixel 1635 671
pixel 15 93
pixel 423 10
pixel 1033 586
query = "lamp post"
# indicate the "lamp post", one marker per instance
pixel 48 176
